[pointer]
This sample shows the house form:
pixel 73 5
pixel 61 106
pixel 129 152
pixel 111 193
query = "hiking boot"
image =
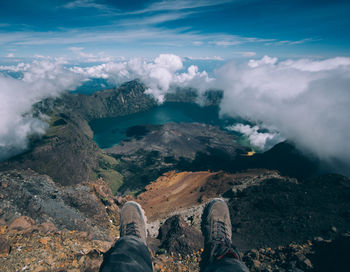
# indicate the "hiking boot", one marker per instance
pixel 133 221
pixel 218 231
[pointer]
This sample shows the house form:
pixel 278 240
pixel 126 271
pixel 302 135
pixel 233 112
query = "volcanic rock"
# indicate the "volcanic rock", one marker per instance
pixel 37 199
pixel 172 146
pixel 178 237
pixel 21 223
pixel 5 247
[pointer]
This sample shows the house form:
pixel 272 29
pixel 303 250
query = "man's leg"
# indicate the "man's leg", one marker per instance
pixel 219 253
pixel 130 253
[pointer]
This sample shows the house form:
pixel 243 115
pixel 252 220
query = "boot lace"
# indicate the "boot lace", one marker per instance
pixel 131 229
pixel 220 231
pixel 221 245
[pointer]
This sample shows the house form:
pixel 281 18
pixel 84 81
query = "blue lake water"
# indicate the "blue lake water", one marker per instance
pixel 111 131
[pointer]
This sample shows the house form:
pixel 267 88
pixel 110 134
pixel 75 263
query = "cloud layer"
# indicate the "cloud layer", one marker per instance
pixel 159 75
pixel 305 100
pixel 261 140
pixel 39 80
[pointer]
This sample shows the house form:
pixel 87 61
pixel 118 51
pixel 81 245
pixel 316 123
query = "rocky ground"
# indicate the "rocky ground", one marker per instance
pixel 279 223
pixel 87 207
pixel 47 227
pixel 25 246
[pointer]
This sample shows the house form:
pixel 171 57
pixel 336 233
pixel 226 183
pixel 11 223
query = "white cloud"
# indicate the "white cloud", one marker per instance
pixel 89 57
pixel 167 5
pixel 288 42
pixel 159 75
pixel 261 140
pixel 38 56
pixel 197 43
pixel 266 60
pixel 227 43
pixel 153 19
pixel 20 67
pixel 10 55
pixel 85 4
pixel 40 80
pixel 144 34
pixel 306 101
pixel 76 49
pixel 206 58
pixel 169 61
pixel 317 66
pixel 248 54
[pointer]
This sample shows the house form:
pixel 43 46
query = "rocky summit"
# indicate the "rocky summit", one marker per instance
pixel 60 201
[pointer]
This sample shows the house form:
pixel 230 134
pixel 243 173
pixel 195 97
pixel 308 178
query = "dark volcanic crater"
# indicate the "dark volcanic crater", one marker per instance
pixel 154 149
pixel 177 140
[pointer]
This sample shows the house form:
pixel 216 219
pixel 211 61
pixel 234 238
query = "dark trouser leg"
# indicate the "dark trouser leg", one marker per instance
pixel 226 264
pixel 128 254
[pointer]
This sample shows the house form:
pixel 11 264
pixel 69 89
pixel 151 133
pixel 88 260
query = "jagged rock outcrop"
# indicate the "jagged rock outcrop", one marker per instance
pixel 313 255
pixel 28 198
pixel 176 236
pixel 129 98
pixel 37 249
pixel 48 227
pixel 278 213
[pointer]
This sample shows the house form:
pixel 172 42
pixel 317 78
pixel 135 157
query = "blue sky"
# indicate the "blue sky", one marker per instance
pixel 198 29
